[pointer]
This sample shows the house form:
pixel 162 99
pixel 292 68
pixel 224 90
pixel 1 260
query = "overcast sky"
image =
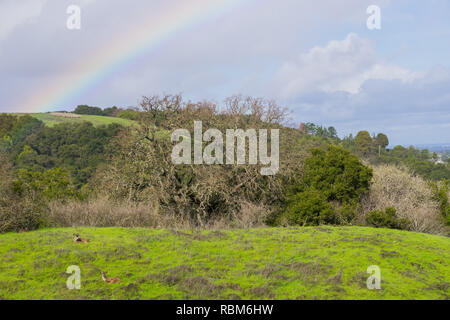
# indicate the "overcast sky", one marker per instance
pixel 316 57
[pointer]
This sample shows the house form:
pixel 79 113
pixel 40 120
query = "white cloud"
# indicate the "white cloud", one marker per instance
pixel 340 66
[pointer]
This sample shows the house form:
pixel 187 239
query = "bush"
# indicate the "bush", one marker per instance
pixel 330 189
pixel 441 194
pixel 111 112
pixel 309 208
pixel 128 114
pixel 410 195
pixel 51 184
pixel 386 219
pixel 7 123
pixel 84 109
pixel 337 173
pixel 16 214
pixel 345 213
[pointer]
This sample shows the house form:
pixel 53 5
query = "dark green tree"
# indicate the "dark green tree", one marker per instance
pixel 51 184
pixel 382 140
pixel 386 219
pixel 337 173
pixel 332 132
pixel 310 208
pixel 364 142
pixel 331 176
pixel 85 109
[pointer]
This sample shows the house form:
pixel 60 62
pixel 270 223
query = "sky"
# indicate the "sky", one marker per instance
pixel 318 58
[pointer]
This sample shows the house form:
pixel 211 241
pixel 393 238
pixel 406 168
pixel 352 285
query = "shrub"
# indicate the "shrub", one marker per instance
pixel 337 173
pixel 330 189
pixel 111 112
pixel 16 213
pixel 84 109
pixel 441 194
pixel 128 114
pixel 7 123
pixel 410 195
pixel 51 184
pixel 19 215
pixel 345 213
pixel 386 219
pixel 310 208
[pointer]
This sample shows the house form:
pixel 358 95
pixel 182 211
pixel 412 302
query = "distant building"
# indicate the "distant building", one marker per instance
pixel 438 159
pixel 303 128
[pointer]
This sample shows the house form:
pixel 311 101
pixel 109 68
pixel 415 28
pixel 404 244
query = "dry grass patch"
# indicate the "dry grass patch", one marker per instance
pixel 65 115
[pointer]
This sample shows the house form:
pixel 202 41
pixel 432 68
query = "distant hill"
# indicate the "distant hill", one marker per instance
pixel 438 147
pixel 51 119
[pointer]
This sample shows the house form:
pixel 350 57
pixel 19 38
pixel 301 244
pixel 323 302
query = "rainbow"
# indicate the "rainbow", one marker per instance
pixel 123 50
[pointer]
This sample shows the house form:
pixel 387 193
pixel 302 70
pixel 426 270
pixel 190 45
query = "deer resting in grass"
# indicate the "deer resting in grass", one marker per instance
pixel 77 239
pixel 109 280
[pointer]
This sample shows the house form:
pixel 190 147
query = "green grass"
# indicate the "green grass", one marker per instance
pixel 51 120
pixel 269 263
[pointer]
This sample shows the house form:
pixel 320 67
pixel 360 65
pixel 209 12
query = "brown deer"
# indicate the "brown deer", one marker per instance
pixel 77 239
pixel 109 280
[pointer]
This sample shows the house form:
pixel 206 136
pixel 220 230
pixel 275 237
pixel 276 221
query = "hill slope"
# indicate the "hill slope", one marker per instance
pixel 52 119
pixel 276 263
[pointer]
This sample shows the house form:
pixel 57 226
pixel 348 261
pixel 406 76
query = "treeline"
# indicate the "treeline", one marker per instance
pixel 421 162
pixel 373 148
pixel 130 113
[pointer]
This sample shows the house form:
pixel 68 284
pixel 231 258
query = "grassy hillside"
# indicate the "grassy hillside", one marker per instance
pixel 50 120
pixel 276 263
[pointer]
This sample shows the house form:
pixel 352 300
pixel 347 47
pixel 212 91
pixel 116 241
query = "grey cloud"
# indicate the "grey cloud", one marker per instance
pixel 419 108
